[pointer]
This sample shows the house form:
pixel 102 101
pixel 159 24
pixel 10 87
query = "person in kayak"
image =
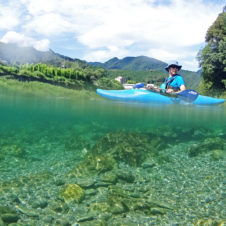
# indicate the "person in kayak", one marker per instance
pixel 173 84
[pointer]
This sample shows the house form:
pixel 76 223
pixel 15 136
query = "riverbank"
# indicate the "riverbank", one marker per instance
pixel 35 88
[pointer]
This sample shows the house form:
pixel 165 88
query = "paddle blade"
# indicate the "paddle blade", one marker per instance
pixel 188 95
pixel 139 85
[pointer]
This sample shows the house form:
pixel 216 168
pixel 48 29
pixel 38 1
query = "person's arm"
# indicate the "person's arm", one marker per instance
pixel 182 88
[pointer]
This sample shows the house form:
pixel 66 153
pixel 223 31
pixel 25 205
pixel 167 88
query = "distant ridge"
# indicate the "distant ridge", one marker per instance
pixel 13 54
pixel 148 65
pixel 140 63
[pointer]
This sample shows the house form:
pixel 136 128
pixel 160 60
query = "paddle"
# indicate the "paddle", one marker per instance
pixel 188 95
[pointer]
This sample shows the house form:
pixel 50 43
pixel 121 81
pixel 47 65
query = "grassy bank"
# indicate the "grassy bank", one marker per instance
pixel 35 88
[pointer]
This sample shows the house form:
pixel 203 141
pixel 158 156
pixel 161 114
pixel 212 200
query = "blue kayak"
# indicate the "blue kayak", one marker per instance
pixel 145 96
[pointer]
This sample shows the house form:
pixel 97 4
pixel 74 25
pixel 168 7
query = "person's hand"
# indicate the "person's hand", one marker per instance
pixel 170 91
pixel 151 86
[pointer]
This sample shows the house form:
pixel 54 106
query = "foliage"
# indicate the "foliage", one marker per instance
pixel 68 77
pixel 108 83
pixel 212 57
pixel 140 63
pixel 192 79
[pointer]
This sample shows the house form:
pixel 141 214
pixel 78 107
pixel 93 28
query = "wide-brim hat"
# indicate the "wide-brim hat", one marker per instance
pixel 174 63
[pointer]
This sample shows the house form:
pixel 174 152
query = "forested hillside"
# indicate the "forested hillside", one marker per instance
pixel 140 63
pixel 26 63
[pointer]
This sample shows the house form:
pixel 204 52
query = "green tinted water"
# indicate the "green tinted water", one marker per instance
pixel 54 133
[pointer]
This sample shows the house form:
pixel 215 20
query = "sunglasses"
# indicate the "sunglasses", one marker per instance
pixel 174 66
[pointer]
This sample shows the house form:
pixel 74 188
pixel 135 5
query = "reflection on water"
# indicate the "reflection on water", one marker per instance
pixel 42 140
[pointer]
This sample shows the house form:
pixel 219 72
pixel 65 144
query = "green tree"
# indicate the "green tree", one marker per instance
pixel 212 58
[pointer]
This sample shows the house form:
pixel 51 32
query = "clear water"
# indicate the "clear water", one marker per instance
pixel 36 134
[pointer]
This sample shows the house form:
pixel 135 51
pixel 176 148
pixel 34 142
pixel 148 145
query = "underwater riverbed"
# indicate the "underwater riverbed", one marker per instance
pixel 90 161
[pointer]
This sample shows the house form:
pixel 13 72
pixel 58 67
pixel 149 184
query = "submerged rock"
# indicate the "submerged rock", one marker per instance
pixel 209 222
pixel 10 218
pixel 8 215
pixel 73 192
pixel 126 176
pixel 94 165
pixel 218 154
pixel 130 148
pixel 209 144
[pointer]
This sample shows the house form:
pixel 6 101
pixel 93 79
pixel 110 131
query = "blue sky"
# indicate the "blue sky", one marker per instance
pixel 97 30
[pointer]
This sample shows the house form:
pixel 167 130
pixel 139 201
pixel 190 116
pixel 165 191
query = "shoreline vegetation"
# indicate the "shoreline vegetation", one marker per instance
pixel 77 78
pixel 42 80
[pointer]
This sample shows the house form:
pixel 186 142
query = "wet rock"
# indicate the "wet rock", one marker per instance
pixel 59 207
pixel 90 192
pixel 73 192
pixel 109 177
pixel 48 219
pixel 87 218
pixel 62 222
pixel 40 204
pixel 94 222
pixel 102 184
pixel 148 165
pixel 118 208
pixel 59 182
pixel 116 148
pixel 94 165
pixel 131 148
pixel 126 176
pixel 209 144
pixel 8 215
pixel 218 154
pixel 102 207
pixel 5 209
pixel 157 211
pixel 9 218
pixel 210 222
pixel 86 182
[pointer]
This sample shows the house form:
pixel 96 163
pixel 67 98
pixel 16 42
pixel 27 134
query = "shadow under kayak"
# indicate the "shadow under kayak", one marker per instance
pixel 145 96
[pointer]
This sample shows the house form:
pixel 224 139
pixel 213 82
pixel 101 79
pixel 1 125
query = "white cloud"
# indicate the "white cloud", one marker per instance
pixel 24 41
pixel 9 16
pixel 48 24
pixel 104 55
pixel 100 25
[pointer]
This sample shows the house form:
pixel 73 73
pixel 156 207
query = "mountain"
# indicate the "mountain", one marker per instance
pixel 143 69
pixel 140 69
pixel 140 63
pixel 13 54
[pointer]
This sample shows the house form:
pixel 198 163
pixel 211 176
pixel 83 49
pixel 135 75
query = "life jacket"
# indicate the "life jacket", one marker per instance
pixel 166 85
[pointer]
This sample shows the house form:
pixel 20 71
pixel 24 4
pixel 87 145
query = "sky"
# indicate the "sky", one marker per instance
pixel 98 30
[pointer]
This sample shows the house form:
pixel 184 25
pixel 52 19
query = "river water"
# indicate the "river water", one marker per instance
pixel 51 135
